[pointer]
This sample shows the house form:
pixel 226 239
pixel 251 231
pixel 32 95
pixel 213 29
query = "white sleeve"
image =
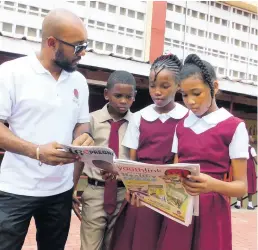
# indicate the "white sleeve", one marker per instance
pixel 132 134
pixel 6 92
pixel 84 115
pixel 175 143
pixel 253 153
pixel 238 148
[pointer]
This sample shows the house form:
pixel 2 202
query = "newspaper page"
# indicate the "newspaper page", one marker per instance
pixel 100 157
pixel 159 187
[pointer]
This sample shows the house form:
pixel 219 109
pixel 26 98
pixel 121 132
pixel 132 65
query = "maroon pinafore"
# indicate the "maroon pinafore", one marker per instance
pixel 251 174
pixel 139 228
pixel 211 230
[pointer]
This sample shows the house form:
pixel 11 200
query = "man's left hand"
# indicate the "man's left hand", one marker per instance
pixel 83 140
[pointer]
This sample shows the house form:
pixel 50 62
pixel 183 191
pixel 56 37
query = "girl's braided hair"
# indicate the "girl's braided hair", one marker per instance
pixel 193 65
pixel 169 62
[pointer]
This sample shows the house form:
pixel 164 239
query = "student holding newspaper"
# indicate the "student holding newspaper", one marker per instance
pixel 214 138
pixel 101 200
pixel 149 136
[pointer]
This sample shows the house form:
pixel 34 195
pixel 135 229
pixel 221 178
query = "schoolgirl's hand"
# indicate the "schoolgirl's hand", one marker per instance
pixel 195 185
pixel 133 199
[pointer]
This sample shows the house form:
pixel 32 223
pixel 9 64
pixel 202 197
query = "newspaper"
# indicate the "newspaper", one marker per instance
pixel 159 187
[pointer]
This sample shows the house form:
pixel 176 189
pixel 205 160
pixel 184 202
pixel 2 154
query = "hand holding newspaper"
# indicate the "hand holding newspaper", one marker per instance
pixel 159 187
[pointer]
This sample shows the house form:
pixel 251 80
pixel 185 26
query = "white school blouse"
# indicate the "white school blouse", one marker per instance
pixel 238 147
pixel 131 139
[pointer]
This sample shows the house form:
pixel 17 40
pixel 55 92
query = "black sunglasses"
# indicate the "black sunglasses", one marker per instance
pixel 77 48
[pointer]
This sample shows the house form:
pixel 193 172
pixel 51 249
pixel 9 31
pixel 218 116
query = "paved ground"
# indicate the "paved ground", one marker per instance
pixel 244 232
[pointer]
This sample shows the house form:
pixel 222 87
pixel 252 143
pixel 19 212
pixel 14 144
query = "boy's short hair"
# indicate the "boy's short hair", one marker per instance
pixel 121 77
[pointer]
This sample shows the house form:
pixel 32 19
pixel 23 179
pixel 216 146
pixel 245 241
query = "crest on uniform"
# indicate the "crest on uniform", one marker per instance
pixel 76 93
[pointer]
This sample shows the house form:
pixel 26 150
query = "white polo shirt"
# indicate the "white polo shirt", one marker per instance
pixel 41 110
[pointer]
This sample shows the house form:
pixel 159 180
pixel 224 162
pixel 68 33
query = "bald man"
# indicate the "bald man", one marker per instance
pixel 45 102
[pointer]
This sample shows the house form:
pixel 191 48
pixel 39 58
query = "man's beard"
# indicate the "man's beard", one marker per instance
pixel 63 63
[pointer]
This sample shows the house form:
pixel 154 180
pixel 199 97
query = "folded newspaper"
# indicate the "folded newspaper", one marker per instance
pixel 159 187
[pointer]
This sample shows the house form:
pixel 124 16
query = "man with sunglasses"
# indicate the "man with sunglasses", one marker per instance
pixel 45 102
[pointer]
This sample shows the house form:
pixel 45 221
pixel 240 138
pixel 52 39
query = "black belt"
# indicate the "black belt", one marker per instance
pixel 95 182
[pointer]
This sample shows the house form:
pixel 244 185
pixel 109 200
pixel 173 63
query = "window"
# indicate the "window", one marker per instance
pixel 170 6
pixel 168 25
pixel 235 73
pixel 177 26
pixel 131 13
pixel 244 44
pixel 130 32
pixel 202 16
pixel 138 53
pixel 122 11
pixel 112 8
pixel 140 16
pixel 218 5
pixel 178 9
pixel 109 47
pixel 19 30
pixel 245 28
pixel 33 11
pixel 44 12
pixel 90 43
pixel 221 71
pixel 201 33
pixel 238 26
pixel 224 22
pixel 110 26
pixel 128 51
pixel 99 45
pixel 239 12
pixel 91 23
pixel 139 34
pixel 9 5
pixel 223 38
pixel 167 41
pixel 100 25
pixel 242 75
pixel 93 4
pixel 246 14
pixel 217 20
pixel 237 42
pixel 254 78
pixel 102 6
pixel 82 3
pixel 193 31
pixel 32 32
pixel 225 7
pixel 194 13
pixel 22 8
pixel 211 19
pixel 216 36
pixel 119 49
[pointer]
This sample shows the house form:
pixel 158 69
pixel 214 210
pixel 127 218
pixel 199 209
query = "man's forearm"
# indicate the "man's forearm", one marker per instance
pixel 81 128
pixel 14 144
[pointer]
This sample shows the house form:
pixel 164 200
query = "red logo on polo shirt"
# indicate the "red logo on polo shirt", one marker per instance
pixel 76 93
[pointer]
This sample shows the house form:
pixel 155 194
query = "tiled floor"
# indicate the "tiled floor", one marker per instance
pixel 244 232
